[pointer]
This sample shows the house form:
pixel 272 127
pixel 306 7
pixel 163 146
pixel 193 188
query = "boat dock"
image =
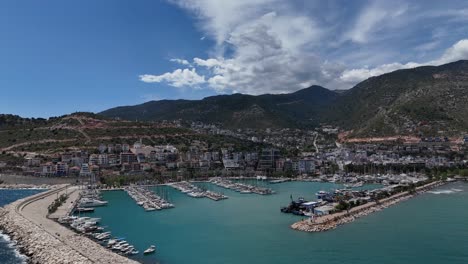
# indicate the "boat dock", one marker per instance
pixel 196 192
pixel 241 187
pixel 147 199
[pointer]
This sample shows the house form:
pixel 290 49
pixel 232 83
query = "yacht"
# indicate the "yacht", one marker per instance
pixel 89 202
pixel 150 250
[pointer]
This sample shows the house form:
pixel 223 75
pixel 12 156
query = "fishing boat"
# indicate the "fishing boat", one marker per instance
pixel 150 250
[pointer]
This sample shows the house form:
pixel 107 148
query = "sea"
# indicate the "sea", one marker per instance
pixel 8 253
pixel 249 228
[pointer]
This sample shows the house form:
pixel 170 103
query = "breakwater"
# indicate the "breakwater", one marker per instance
pixel 44 240
pixel 332 221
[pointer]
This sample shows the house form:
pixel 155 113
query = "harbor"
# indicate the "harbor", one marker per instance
pixel 197 192
pixel 241 187
pixel 246 219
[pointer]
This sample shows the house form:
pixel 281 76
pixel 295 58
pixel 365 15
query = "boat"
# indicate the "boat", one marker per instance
pixel 133 252
pixel 84 209
pixel 150 250
pixel 89 202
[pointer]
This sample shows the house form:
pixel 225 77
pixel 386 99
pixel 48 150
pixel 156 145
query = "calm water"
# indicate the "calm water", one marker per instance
pixel 247 228
pixel 8 254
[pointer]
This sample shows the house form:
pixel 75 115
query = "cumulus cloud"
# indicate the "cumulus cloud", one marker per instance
pixel 177 78
pixel 274 46
pixel 459 51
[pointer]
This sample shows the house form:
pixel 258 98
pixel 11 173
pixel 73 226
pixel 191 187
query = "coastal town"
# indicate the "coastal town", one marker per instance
pixel 231 132
pixel 325 156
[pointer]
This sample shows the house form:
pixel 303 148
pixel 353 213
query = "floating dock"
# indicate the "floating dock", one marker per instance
pixel 147 199
pixel 241 187
pixel 196 192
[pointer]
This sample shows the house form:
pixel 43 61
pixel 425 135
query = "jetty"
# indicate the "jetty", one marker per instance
pixel 332 221
pixel 147 199
pixel 196 192
pixel 241 187
pixel 43 239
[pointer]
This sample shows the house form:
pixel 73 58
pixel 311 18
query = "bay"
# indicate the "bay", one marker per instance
pixel 248 228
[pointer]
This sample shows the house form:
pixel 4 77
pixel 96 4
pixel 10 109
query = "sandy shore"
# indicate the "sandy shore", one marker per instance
pixel 46 241
pixel 332 221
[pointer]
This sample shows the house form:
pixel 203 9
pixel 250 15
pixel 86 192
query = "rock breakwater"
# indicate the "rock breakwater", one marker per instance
pixel 47 242
pixel 328 222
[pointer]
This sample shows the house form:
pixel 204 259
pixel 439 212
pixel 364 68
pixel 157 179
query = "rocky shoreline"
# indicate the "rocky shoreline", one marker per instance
pixel 329 222
pixel 24 186
pixel 41 247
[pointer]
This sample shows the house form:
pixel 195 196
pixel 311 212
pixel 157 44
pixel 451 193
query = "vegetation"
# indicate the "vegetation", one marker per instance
pixel 422 100
pixel 57 203
pixel 297 109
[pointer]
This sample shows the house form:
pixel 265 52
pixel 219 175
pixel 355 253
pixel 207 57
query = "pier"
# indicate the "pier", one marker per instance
pixel 241 187
pixel 147 199
pixel 196 192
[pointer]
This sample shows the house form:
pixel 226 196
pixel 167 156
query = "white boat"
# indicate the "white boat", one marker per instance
pixel 150 250
pixel 88 202
pixel 133 252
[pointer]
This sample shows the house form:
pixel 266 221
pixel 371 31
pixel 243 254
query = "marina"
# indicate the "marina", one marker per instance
pixel 247 219
pixel 147 199
pixel 197 192
pixel 241 187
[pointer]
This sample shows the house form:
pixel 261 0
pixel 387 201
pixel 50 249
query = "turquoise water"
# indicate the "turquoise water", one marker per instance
pixel 8 254
pixel 248 228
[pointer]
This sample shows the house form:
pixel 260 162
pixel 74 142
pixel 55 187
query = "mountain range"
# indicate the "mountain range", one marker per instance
pixel 424 100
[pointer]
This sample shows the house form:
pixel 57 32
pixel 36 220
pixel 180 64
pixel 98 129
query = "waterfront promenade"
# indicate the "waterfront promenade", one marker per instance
pixel 46 241
pixel 331 221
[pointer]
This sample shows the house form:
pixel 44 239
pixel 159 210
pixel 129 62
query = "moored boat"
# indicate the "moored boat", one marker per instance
pixel 150 250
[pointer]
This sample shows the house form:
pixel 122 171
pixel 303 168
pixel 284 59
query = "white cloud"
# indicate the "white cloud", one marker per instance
pixel 274 46
pixel 207 63
pixel 459 51
pixel 373 18
pixel 177 78
pixel 181 61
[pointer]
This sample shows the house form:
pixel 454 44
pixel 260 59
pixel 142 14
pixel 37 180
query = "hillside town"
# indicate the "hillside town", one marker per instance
pixel 277 160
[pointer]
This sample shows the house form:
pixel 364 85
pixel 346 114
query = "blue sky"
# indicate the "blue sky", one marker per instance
pixel 62 56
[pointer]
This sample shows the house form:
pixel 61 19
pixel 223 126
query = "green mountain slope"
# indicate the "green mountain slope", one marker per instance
pixel 421 101
pixel 297 109
pixel 424 100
